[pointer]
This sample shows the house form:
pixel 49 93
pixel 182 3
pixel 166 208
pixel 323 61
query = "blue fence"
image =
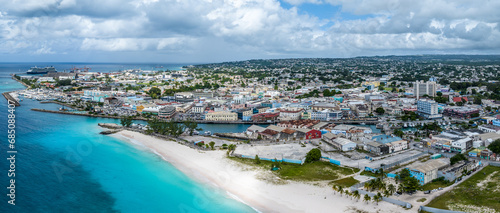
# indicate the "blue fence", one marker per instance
pixel 392 175
pixel 370 169
pixel 336 162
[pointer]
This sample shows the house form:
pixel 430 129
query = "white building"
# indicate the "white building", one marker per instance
pixel 420 88
pixel 221 116
pixel 199 108
pixel 343 144
pixel 428 109
pixel 286 115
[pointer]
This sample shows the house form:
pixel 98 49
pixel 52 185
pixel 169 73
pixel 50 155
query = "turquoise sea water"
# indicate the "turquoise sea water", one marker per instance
pixel 64 165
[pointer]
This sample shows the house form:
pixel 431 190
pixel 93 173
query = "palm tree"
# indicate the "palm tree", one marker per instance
pixel 391 188
pixel 335 188
pixel 341 190
pixel 387 193
pixel 347 193
pixel 377 198
pixel 367 198
pixel 356 195
pixel 367 186
pixel 231 148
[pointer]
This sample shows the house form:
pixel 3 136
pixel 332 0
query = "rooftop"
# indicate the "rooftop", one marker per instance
pixel 429 166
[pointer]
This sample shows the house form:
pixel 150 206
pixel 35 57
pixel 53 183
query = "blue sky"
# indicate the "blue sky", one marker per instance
pixel 197 31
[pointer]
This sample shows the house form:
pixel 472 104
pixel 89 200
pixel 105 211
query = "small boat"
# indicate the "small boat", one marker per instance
pixel 405 125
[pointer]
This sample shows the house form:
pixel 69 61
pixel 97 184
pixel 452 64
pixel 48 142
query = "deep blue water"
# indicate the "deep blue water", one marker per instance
pixel 21 68
pixel 64 165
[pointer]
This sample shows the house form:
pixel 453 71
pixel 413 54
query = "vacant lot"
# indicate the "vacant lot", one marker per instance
pixel 345 182
pixel 479 193
pixel 316 171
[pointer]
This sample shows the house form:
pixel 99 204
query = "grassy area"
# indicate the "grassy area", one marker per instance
pixel 479 192
pixel 422 199
pixel 435 185
pixel 345 182
pixel 368 173
pixel 315 171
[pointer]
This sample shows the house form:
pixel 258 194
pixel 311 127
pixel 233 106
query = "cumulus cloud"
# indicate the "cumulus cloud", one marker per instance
pixel 240 29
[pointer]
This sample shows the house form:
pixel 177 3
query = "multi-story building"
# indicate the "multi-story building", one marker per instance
pixel 286 115
pixel 245 114
pixel 489 128
pixel 221 116
pixel 461 145
pixel 198 108
pixel 428 171
pixel 420 88
pixel 428 109
pixel 319 115
pixel 166 112
pixel 460 112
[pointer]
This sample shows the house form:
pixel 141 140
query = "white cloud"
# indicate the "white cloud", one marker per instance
pixel 248 28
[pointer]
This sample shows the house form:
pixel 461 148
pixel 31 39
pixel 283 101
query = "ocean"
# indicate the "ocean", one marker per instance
pixel 64 165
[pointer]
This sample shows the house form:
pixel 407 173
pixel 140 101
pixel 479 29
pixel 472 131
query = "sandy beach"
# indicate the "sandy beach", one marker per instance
pixel 212 167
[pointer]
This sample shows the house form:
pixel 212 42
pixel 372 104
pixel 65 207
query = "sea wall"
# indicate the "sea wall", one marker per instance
pixel 10 99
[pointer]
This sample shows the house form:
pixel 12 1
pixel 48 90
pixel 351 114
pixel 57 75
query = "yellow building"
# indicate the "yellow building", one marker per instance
pixel 374 83
pixel 221 116
pixel 139 108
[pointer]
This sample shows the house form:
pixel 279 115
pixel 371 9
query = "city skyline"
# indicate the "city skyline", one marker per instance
pixel 217 31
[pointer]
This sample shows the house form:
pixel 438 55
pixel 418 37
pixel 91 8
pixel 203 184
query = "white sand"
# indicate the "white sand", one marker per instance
pixel 244 183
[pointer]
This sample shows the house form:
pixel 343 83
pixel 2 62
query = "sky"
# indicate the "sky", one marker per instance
pixel 205 31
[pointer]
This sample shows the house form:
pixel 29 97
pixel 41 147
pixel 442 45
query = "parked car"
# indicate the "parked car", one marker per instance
pixel 427 192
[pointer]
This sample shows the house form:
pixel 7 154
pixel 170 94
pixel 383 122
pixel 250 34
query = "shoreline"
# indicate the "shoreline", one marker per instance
pixel 249 186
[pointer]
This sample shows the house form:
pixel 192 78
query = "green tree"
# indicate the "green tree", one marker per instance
pixel 327 93
pixel 377 198
pixel 399 132
pixel 155 93
pixel 367 198
pixel 64 82
pixel 212 144
pixel 380 110
pixel 126 121
pixel 458 157
pixel 356 195
pixel 439 94
pixel 313 155
pixel 477 101
pixel 495 146
pixel 191 126
pixel 391 188
pixel 257 159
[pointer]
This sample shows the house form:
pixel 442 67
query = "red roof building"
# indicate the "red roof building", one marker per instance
pixel 459 99
pixel 313 134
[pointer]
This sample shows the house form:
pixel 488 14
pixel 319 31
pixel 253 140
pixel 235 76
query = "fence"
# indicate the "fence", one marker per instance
pixel 274 160
pixel 391 175
pixel 497 164
pixel 434 210
pixel 336 162
pixel 386 199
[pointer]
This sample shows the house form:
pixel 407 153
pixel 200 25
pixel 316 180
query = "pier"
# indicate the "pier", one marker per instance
pixel 11 99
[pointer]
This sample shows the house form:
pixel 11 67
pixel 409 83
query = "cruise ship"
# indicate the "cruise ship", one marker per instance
pixel 37 70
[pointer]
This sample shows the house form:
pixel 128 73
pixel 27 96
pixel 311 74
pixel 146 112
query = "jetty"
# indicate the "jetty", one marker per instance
pixel 109 132
pixel 109 125
pixel 10 99
pixel 60 103
pixel 83 114
pixel 21 82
